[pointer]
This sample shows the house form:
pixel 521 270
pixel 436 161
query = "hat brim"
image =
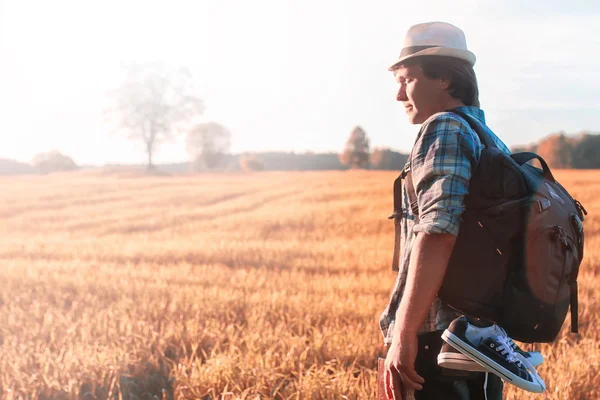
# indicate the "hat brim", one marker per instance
pixel 438 51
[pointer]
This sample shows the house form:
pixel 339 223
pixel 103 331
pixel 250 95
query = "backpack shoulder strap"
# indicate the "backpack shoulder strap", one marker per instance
pixel 484 137
pixel 397 216
pixel 411 193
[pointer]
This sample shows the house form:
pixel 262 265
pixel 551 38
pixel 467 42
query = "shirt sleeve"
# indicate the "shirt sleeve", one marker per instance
pixel 442 161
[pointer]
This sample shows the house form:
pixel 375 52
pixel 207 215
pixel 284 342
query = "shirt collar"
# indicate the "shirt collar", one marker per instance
pixel 473 111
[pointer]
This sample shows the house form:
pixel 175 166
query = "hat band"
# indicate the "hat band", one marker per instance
pixel 407 51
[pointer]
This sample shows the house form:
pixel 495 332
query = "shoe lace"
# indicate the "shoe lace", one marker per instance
pixel 510 341
pixel 507 351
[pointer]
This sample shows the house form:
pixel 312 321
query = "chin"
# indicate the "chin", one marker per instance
pixel 414 120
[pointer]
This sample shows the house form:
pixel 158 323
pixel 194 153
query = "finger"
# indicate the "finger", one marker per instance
pixel 411 373
pixel 409 383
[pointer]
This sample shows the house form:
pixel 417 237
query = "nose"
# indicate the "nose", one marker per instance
pixel 401 95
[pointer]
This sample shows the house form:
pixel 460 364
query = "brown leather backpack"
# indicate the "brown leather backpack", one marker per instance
pixel 519 247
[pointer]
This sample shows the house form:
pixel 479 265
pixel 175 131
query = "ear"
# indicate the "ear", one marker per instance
pixel 444 84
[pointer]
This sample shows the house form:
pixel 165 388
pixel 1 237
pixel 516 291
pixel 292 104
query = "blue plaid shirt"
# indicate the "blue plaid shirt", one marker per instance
pixel 444 155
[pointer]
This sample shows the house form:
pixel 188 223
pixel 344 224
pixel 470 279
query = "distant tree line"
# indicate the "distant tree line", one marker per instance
pixel 42 163
pixel 581 151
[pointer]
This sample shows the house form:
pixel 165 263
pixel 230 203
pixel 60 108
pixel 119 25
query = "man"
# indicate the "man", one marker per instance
pixel 435 74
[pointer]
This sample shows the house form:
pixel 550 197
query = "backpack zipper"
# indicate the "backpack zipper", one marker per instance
pixel 561 236
pixel 582 211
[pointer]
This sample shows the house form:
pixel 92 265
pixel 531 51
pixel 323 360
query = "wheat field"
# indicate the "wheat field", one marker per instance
pixel 222 286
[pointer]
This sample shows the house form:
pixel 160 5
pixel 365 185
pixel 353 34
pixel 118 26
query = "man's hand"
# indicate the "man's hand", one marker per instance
pixel 400 374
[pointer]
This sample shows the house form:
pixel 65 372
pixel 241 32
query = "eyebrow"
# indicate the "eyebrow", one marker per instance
pixel 402 77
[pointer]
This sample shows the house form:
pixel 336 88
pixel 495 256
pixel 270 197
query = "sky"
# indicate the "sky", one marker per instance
pixel 281 75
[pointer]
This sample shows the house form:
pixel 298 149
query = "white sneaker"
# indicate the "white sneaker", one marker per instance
pixel 492 349
pixel 451 358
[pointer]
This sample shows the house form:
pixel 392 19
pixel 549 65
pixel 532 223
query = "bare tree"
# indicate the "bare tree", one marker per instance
pixel 356 151
pixel 153 104
pixel 207 143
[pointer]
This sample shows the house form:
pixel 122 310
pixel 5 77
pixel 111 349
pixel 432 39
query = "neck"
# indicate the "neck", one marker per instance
pixel 454 103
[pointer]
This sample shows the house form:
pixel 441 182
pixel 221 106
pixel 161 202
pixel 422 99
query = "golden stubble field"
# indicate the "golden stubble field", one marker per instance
pixel 265 285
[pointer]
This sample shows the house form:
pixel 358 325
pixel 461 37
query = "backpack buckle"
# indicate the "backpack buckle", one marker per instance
pixel 405 170
pixel 543 205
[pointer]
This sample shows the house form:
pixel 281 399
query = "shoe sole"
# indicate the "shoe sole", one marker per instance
pixel 458 361
pixel 462 362
pixel 489 364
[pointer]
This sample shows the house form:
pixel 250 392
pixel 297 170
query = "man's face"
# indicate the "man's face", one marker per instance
pixel 421 96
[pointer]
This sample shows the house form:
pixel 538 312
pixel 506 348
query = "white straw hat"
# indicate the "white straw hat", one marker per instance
pixel 435 39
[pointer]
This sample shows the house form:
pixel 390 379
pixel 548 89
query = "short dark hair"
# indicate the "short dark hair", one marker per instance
pixel 463 82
